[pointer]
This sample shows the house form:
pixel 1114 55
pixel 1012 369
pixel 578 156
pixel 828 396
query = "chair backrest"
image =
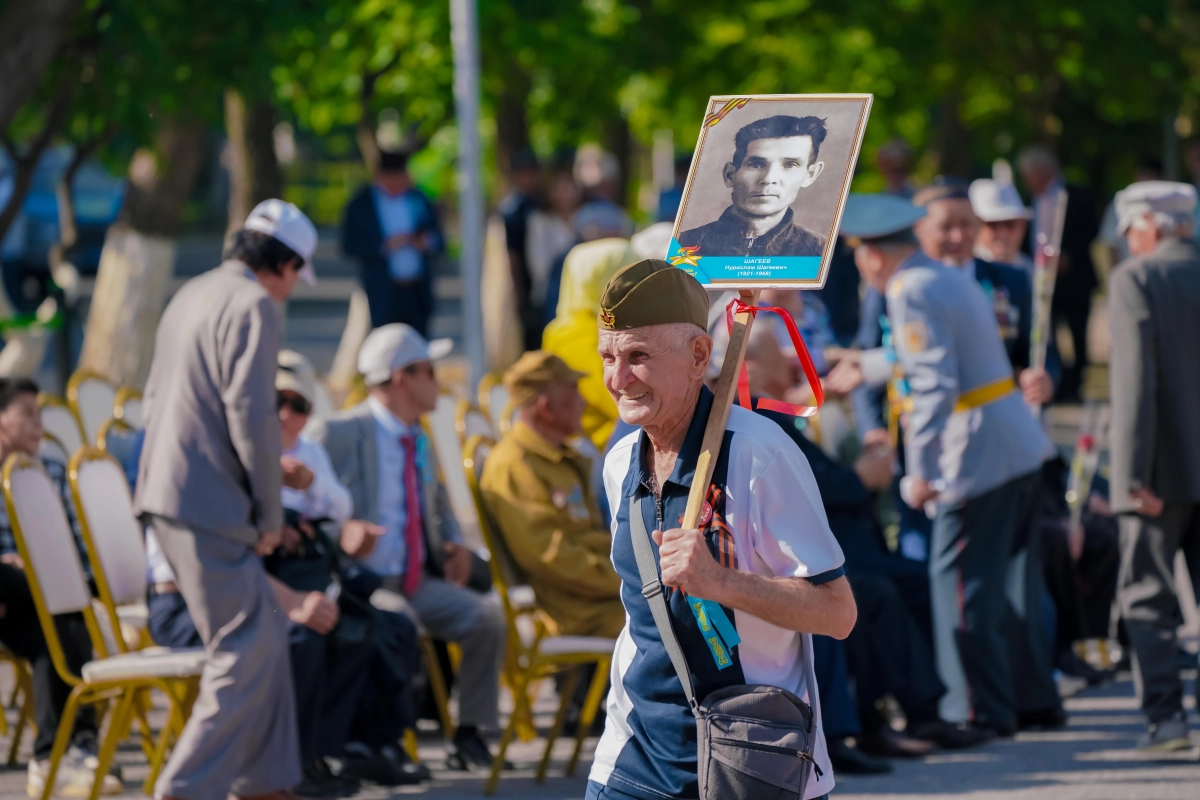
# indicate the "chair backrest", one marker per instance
pixel 470 421
pixel 494 399
pixel 117 438
pixel 439 425
pixel 52 450
pixel 92 398
pixel 504 571
pixel 110 528
pixel 127 407
pixel 60 421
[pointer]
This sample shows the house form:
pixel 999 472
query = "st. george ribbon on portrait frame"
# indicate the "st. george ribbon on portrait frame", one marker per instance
pixel 766 189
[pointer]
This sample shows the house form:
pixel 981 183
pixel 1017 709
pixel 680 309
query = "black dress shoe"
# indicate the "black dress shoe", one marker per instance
pixel 853 761
pixel 952 736
pixel 399 759
pixel 888 743
pixel 320 782
pixel 361 762
pixel 1049 719
pixel 469 751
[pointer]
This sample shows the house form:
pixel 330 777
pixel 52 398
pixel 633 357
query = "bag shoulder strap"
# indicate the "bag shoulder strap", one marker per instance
pixel 652 590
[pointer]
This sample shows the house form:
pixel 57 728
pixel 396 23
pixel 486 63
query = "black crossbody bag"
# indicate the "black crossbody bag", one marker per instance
pixel 755 741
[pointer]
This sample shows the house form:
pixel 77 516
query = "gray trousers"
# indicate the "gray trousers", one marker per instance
pixel 242 737
pixel 1146 595
pixel 473 621
pixel 986 582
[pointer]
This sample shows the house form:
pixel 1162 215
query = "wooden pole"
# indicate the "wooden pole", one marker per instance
pixel 714 431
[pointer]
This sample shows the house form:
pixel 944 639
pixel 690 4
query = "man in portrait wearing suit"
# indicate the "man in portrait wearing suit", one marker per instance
pixel 773 159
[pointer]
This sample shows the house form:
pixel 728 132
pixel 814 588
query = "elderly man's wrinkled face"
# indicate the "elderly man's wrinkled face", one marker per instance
pixel 653 372
pixel 947 231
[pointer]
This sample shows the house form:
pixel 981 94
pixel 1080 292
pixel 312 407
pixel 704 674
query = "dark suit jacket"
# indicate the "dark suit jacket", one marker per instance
pixel 1154 373
pixel 363 241
pixel 1081 226
pixel 849 507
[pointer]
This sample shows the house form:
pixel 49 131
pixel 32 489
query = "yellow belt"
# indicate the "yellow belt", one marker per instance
pixel 982 395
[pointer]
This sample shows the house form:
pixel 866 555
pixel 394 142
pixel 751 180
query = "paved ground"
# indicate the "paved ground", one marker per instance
pixel 1092 759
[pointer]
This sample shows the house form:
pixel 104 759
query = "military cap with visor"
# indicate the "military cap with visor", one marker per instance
pixel 652 292
pixel 535 372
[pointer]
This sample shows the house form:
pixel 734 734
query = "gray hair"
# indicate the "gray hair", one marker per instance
pixel 1037 155
pixel 678 335
pixel 1167 223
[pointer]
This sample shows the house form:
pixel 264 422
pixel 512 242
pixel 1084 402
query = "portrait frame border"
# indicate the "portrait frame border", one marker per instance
pixel 715 104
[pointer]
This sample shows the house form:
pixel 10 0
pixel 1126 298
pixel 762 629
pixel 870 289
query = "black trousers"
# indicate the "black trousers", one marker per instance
pixel 21 633
pixel 1149 606
pixel 986 580
pixel 1072 305
pixel 887 653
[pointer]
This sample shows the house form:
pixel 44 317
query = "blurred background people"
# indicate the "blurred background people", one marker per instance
pixel 392 231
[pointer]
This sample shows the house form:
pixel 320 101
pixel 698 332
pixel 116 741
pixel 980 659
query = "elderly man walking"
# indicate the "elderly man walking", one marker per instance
pixel 1154 314
pixel 765 563
pixel 209 487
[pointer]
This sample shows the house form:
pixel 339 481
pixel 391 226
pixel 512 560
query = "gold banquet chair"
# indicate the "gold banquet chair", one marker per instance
pixel 113 538
pixel 127 407
pixel 495 402
pixel 22 692
pixel 56 581
pixel 535 655
pixel 61 422
pixel 469 420
pixel 92 397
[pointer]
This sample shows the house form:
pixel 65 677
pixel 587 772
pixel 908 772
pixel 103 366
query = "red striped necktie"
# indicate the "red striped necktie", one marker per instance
pixel 414 539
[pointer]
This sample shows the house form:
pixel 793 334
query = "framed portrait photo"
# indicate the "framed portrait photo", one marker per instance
pixel 766 189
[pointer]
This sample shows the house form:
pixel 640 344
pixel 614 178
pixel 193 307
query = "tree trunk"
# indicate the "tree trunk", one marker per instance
pixel 253 169
pixel 139 256
pixel 953 139
pixel 619 142
pixel 31 33
pixel 512 121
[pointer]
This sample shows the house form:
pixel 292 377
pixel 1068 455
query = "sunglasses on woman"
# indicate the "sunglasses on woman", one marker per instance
pixel 293 401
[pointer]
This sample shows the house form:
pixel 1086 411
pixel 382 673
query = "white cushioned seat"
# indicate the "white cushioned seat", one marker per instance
pixel 135 614
pixel 154 662
pixel 557 645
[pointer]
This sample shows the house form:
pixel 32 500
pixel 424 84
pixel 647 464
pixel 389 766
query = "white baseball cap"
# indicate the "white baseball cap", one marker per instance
pixel 994 201
pixel 295 373
pixel 1153 197
pixel 281 220
pixel 392 347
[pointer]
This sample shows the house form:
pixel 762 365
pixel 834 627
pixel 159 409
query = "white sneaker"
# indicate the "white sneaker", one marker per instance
pixel 74 778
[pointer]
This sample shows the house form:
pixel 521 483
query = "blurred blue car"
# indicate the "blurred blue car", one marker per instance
pixel 26 247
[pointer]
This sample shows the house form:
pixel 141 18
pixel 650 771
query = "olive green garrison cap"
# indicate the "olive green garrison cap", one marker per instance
pixel 652 292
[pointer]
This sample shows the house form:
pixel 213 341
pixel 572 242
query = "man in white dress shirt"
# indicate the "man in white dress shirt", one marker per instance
pixel 380 453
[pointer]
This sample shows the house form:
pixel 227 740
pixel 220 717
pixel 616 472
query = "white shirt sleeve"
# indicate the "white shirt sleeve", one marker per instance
pixel 326 496
pixel 789 529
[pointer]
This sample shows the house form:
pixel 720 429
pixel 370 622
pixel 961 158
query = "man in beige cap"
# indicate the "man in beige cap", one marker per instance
pixel 536 487
pixel 765 560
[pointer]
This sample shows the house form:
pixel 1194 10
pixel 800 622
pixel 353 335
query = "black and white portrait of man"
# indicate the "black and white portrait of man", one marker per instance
pixel 774 159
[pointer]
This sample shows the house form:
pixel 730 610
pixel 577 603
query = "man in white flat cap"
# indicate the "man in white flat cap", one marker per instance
pixel 384 458
pixel 1154 317
pixel 209 487
pixel 1004 219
